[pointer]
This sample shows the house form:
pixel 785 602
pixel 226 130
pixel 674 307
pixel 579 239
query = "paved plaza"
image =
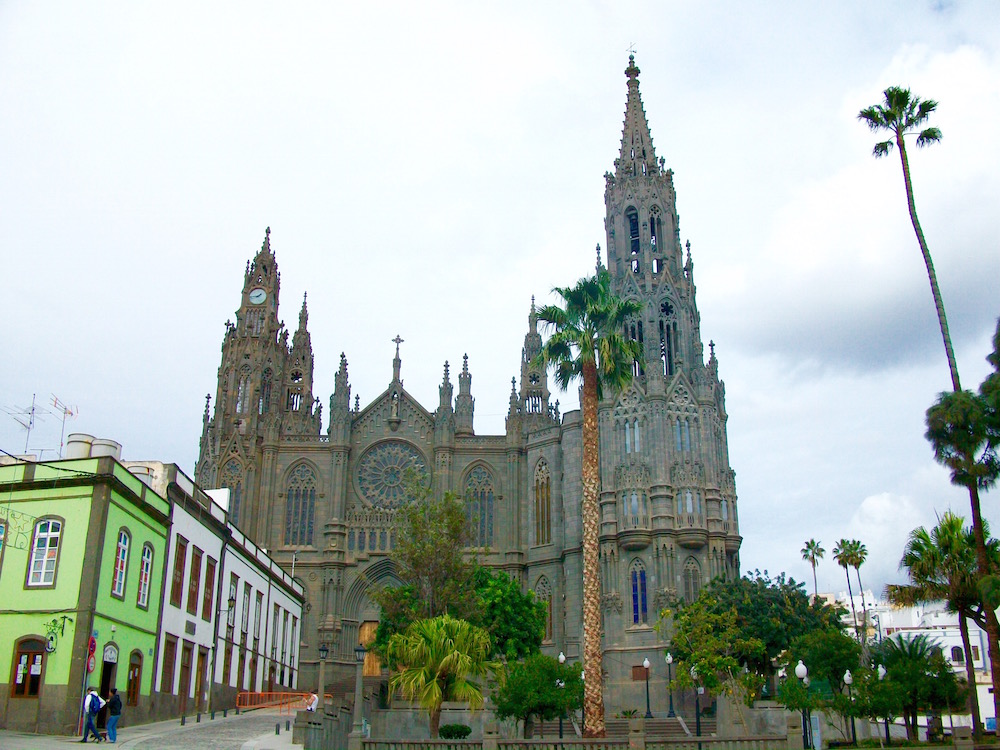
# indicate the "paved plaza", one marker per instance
pixel 248 731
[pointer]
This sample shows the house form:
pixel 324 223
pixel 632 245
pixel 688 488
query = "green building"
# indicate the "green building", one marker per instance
pixel 81 582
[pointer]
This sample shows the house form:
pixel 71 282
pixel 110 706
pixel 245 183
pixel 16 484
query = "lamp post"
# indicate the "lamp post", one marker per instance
pixel 354 741
pixel 881 676
pixel 698 689
pixel 645 665
pixel 324 651
pixel 803 674
pixel 669 658
pixel 583 711
pixel 215 647
pixel 561 685
pixel 849 680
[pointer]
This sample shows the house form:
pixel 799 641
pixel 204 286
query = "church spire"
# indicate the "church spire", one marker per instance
pixel 637 156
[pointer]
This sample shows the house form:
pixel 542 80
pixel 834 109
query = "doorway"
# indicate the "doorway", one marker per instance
pixel 109 670
pixel 185 686
pixel 366 636
pixel 199 698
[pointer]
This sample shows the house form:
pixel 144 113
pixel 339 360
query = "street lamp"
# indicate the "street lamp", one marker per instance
pixel 583 709
pixel 354 741
pixel 645 665
pixel 881 676
pixel 669 658
pixel 324 651
pixel 803 674
pixel 849 680
pixel 561 685
pixel 698 689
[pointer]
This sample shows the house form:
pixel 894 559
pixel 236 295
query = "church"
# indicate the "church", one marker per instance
pixel 324 500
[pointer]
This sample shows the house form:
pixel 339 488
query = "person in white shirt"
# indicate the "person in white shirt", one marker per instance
pixel 91 707
pixel 312 702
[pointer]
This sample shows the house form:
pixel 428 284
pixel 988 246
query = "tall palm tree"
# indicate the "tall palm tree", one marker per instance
pixel 438 660
pixel 812 553
pixel 901 114
pixel 842 554
pixel 859 553
pixel 941 564
pixel 587 343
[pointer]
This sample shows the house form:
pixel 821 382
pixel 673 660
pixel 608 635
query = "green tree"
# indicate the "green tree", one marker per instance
pixel 431 537
pixel 770 611
pixel 901 114
pixel 812 553
pixel 587 344
pixel 964 429
pixel 843 553
pixel 439 660
pixel 926 679
pixel 514 619
pixel 540 687
pixel 711 645
pixel 941 564
pixel 827 654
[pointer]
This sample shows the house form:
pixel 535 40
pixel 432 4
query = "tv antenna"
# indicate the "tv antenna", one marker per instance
pixel 66 411
pixel 25 416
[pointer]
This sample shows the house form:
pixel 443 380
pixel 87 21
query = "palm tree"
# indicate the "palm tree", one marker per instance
pixel 859 553
pixel 941 564
pixel 587 343
pixel 909 663
pixel 438 659
pixel 902 114
pixel 842 554
pixel 812 553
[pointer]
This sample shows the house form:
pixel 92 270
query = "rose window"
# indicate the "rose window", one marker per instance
pixel 382 471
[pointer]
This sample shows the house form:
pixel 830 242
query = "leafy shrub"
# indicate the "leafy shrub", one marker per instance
pixel 454 731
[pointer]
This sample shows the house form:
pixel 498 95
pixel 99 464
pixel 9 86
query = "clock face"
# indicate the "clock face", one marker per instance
pixel 257 295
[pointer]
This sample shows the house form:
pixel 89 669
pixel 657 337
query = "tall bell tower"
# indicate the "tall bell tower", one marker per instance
pixel 264 391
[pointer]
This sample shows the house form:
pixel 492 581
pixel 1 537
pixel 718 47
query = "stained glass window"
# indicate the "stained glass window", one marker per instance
pixel 300 506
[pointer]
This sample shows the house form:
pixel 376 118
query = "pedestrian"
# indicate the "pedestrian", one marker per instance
pixel 91 707
pixel 312 702
pixel 114 714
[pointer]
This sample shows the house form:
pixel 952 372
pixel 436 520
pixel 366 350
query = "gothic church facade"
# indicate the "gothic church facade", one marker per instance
pixel 327 498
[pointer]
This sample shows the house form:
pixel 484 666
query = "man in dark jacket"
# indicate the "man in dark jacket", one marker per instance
pixel 114 714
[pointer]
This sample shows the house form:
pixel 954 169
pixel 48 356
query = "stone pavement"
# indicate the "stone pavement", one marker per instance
pixel 252 730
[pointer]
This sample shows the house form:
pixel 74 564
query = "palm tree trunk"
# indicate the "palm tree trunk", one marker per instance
pixel 850 595
pixel 593 688
pixel 815 585
pixel 864 619
pixel 931 275
pixel 970 676
pixel 435 721
pixel 992 627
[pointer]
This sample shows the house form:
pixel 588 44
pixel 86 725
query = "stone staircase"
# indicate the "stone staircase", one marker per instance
pixel 658 727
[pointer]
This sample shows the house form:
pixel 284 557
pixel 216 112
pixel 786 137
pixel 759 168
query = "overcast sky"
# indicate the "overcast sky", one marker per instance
pixel 426 168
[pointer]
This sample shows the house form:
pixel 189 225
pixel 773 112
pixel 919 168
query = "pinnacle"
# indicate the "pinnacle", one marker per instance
pixel 637 156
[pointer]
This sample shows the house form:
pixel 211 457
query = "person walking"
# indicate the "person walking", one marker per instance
pixel 114 714
pixel 91 707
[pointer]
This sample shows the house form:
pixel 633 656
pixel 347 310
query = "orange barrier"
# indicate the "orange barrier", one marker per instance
pixel 285 702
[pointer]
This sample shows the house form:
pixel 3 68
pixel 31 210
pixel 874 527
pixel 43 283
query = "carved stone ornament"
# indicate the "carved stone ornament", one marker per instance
pixel 612 600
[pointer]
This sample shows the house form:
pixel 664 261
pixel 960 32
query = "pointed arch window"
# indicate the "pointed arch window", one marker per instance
pixel 628 437
pixel 300 506
pixel 243 391
pixel 145 575
pixel 232 478
pixel 264 403
pixel 634 510
pixel 121 564
pixel 543 593
pixel 479 500
pixel 637 573
pixel 724 509
pixel 692 579
pixel 632 219
pixel 543 504
pixel 635 433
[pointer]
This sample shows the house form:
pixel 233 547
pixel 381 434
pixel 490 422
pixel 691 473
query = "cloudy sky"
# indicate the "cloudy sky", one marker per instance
pixel 425 168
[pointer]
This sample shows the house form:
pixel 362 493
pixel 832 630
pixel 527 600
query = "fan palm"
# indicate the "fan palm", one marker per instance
pixel 587 344
pixel 439 660
pixel 901 114
pixel 941 564
pixel 842 553
pixel 909 663
pixel 812 553
pixel 859 553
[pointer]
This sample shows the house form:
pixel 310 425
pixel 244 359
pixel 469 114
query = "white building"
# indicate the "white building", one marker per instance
pixel 218 591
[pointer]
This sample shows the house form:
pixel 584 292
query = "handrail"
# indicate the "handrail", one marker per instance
pixel 285 701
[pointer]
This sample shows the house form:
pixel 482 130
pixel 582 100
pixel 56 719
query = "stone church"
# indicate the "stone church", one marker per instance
pixel 326 498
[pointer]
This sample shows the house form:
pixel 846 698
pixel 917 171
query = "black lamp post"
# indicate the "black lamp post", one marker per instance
pixel 561 685
pixel 669 658
pixel 803 674
pixel 849 680
pixel 645 665
pixel 697 704
pixel 359 658
pixel 324 651
pixel 881 676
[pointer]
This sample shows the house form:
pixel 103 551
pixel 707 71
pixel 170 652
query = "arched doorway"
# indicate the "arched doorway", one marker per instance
pixel 109 670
